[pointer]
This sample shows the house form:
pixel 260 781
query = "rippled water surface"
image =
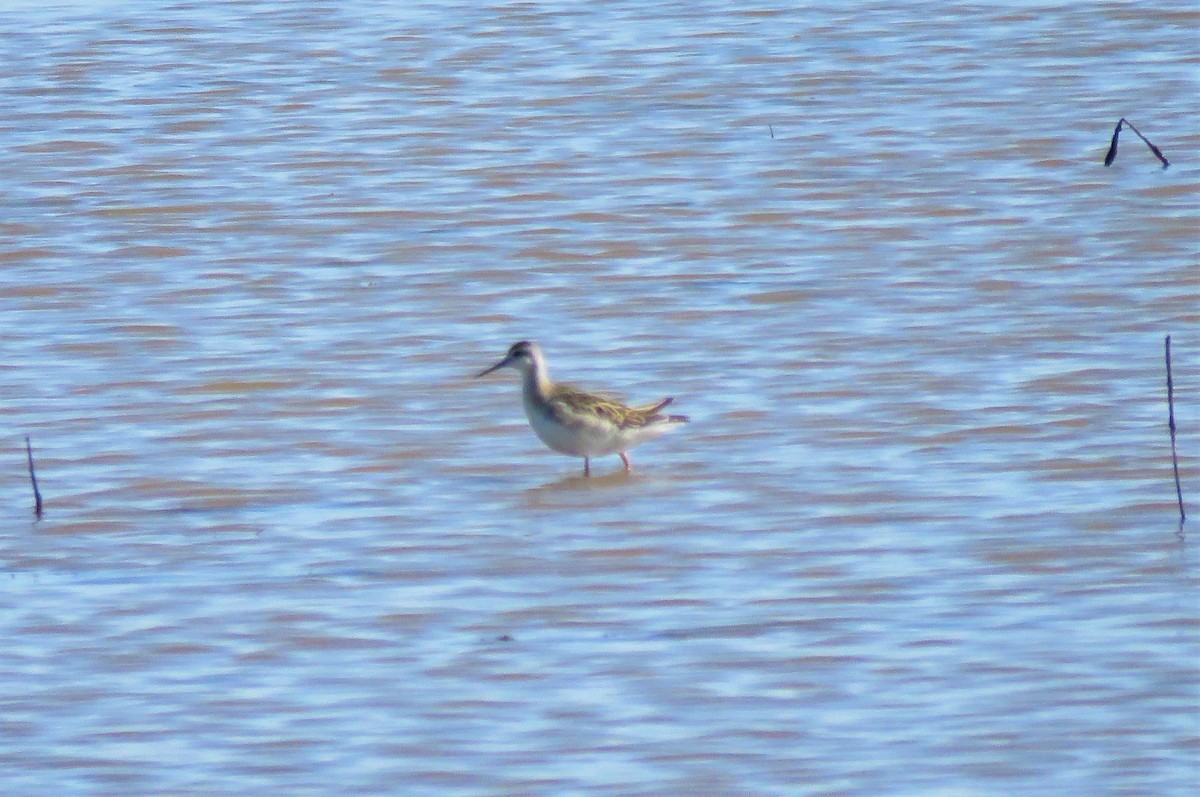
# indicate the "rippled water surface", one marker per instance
pixel 920 536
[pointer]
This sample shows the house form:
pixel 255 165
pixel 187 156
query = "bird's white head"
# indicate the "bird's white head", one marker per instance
pixel 523 355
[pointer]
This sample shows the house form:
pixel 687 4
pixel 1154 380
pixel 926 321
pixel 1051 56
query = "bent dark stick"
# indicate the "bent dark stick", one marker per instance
pixel 1171 426
pixel 1112 147
pixel 37 495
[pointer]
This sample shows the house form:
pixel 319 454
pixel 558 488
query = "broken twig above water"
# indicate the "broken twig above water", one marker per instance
pixel 1171 426
pixel 1112 148
pixel 37 494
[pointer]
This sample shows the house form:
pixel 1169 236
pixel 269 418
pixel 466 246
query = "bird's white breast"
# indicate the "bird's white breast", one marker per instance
pixel 584 440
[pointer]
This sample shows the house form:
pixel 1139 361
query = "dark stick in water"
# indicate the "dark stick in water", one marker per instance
pixel 1112 148
pixel 37 495
pixel 1171 425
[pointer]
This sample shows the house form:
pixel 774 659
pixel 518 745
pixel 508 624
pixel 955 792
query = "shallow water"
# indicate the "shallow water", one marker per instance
pixel 920 536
